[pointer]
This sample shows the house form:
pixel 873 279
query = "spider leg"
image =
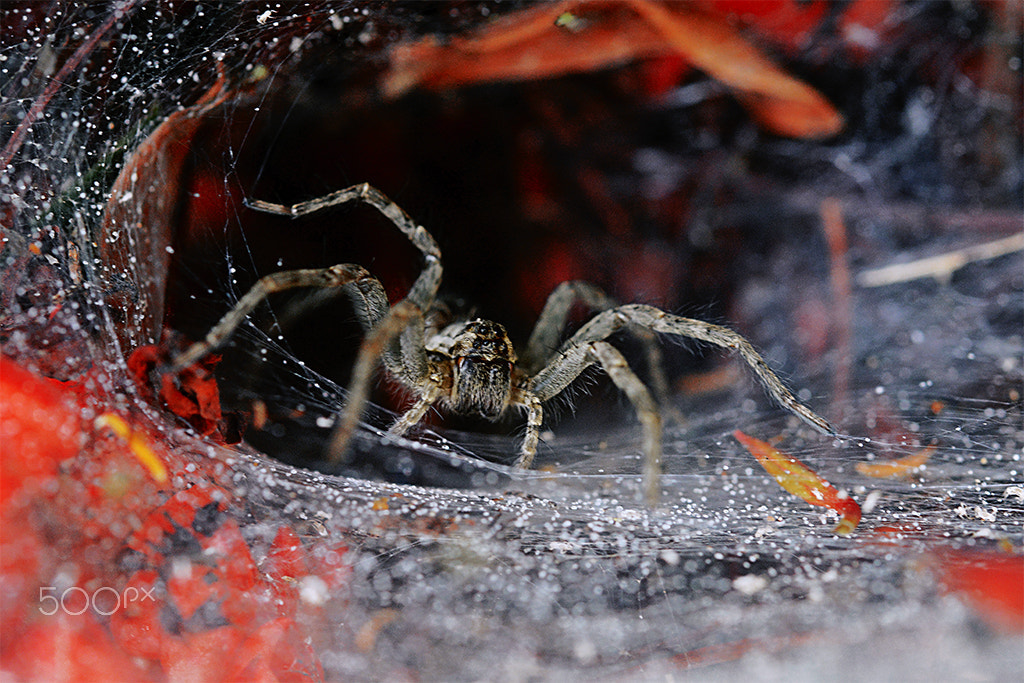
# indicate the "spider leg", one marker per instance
pixel 553 379
pixel 424 290
pixel 335 276
pixel 534 420
pixel 401 322
pixel 413 415
pixel 543 342
pixel 577 358
pixel 404 355
pixel 394 335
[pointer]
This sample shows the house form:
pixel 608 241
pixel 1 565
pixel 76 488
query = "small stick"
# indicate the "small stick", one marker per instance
pixel 940 267
pixel 842 291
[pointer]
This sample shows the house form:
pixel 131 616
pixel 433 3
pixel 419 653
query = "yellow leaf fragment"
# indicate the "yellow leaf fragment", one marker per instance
pixel 136 442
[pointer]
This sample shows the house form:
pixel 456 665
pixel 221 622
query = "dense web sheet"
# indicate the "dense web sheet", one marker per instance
pixel 457 566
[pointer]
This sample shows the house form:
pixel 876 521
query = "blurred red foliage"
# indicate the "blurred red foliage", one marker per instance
pixel 190 600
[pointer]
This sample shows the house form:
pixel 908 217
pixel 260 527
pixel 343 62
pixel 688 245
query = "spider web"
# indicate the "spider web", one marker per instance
pixel 558 571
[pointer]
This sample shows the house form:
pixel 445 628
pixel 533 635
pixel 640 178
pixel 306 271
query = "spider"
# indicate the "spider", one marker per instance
pixel 470 367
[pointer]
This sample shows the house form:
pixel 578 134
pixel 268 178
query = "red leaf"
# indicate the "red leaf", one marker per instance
pixel 190 586
pixel 137 626
pixel 992 582
pixel 39 427
pixel 66 648
pixel 287 557
pixel 191 393
pixel 234 560
pixel 206 656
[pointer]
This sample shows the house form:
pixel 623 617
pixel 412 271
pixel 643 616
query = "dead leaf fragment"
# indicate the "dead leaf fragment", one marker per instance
pixel 803 482
pixel 899 467
pixel 533 45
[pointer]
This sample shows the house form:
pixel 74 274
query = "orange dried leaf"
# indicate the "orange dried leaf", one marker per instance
pixel 781 103
pixel 191 394
pixel 530 45
pixel 526 45
pixel 803 482
pixel 899 467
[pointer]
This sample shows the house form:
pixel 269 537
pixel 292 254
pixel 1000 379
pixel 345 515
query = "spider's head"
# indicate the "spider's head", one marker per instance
pixel 482 360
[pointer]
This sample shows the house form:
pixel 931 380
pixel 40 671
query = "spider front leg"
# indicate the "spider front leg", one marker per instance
pixel 543 342
pixel 394 335
pixel 424 290
pixel 366 289
pixel 370 302
pixel 606 323
pixel 534 420
pixel 585 348
pixel 403 325
pixel 577 358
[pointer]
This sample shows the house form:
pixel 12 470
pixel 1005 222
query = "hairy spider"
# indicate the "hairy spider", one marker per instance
pixel 470 367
